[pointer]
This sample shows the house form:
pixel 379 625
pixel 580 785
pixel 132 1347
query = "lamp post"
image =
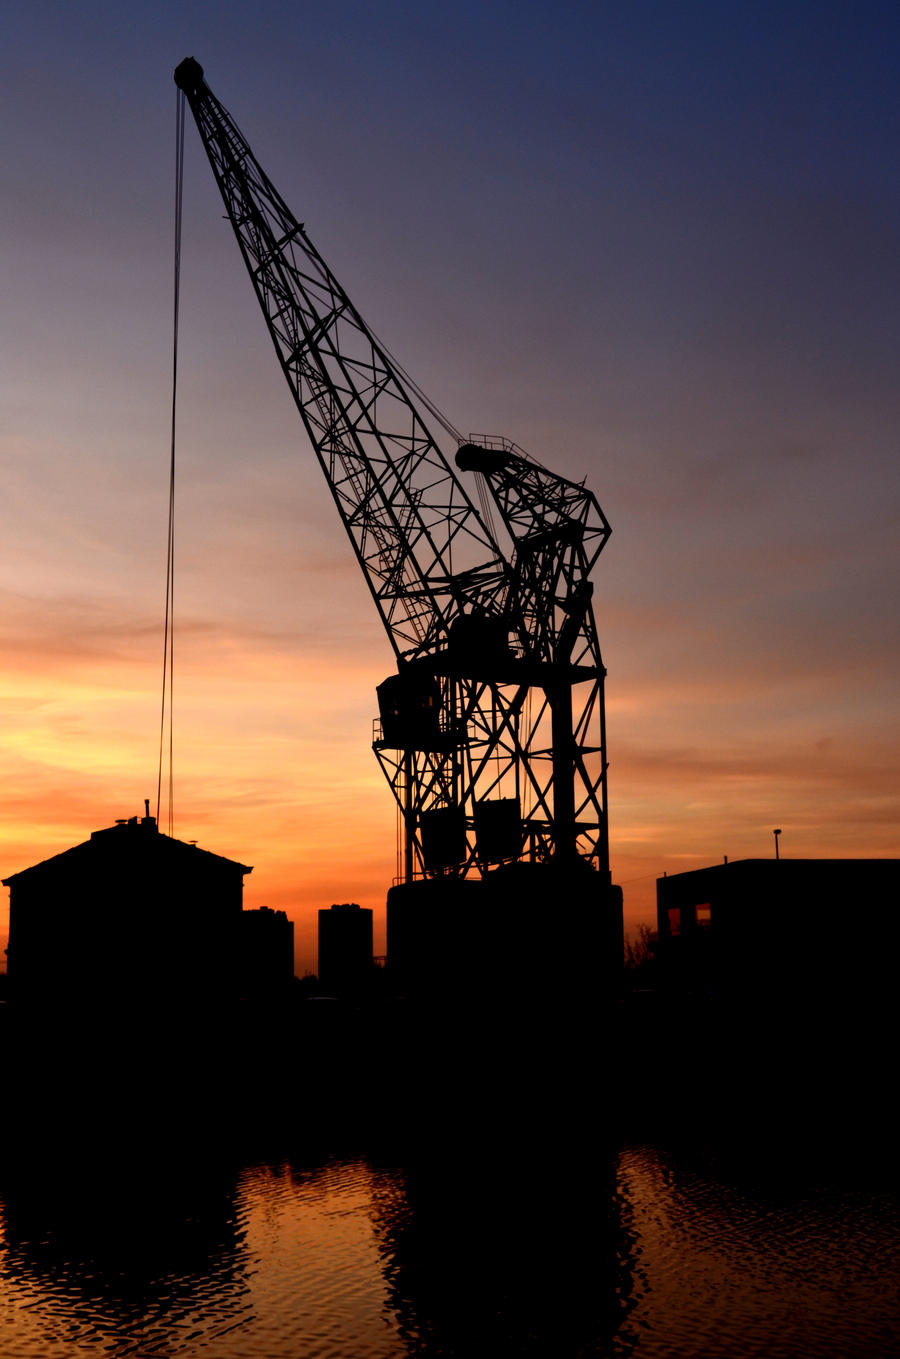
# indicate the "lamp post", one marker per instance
pixel 776 834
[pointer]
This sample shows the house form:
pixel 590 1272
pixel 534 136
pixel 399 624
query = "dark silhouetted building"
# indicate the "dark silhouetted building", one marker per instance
pixel 266 953
pixel 130 920
pixel 345 946
pixel 761 930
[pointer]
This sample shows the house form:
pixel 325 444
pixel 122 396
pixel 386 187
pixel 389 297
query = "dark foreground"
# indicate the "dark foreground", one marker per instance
pixel 330 1183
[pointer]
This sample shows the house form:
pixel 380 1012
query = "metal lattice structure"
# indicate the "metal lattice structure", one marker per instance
pixel 491 733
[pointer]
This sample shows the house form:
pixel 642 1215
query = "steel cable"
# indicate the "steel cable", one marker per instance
pixel 168 673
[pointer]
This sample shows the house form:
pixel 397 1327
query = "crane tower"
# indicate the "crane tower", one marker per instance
pixel 491 730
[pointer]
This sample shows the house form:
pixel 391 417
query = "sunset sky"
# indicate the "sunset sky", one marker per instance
pixel 654 244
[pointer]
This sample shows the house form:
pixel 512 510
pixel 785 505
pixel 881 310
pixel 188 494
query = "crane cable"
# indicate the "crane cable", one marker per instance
pixel 448 428
pixel 168 669
pixel 443 421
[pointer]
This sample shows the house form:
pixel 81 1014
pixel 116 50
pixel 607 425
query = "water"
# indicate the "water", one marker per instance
pixel 681 1190
pixel 489 1245
pixel 730 1269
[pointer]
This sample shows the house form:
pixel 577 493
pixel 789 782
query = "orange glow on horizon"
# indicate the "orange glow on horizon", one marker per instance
pixel 273 768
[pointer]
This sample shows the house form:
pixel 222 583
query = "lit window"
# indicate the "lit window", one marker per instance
pixel 674 914
pixel 704 915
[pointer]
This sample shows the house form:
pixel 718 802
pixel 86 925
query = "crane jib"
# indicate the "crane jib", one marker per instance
pixel 498 696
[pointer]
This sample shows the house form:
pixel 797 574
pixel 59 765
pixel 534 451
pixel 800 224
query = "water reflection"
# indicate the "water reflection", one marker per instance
pixel 128 1254
pixel 739 1265
pixel 506 1223
pixel 313 1262
pixel 146 1246
pixel 496 1252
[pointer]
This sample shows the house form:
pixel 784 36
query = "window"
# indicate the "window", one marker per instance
pixel 674 914
pixel 704 915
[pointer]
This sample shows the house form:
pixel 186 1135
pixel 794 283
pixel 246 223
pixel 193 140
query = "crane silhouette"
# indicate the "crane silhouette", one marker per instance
pixel 491 731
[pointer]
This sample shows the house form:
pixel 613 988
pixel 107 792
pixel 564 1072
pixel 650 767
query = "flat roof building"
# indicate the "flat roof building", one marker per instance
pixel 345 946
pixel 266 954
pixel 777 928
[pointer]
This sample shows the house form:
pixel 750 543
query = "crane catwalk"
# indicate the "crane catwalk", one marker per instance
pixel 491 732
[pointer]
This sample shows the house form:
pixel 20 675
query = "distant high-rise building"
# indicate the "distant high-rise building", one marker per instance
pixel 129 919
pixel 345 946
pixel 266 953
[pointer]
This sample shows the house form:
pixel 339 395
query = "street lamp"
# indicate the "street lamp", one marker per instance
pixel 776 834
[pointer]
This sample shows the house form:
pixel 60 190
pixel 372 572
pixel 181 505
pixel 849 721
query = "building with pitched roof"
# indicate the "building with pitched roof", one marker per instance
pixel 130 919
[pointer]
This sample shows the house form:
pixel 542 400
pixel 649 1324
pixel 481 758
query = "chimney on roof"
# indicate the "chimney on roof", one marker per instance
pixel 148 820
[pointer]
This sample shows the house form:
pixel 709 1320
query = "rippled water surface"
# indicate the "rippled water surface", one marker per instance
pixel 725 1269
pixel 641 1253
pixel 270 1261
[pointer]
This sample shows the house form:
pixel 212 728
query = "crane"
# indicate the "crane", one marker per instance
pixel 491 730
